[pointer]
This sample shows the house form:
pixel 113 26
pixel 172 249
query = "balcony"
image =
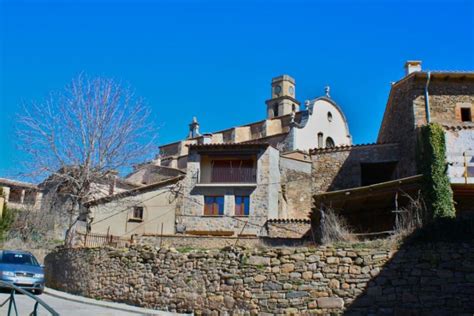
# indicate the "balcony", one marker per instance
pixel 228 173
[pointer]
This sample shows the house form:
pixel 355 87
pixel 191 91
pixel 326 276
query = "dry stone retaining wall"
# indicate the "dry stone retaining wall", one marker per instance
pixel 424 279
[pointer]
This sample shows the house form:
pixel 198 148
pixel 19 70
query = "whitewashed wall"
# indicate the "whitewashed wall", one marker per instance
pixel 307 137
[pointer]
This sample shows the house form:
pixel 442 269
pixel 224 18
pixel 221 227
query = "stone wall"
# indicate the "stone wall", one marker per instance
pixel 398 124
pixel 289 228
pixel 339 168
pixel 406 112
pixel 420 279
pixel 446 98
pixel 282 236
pixel 295 188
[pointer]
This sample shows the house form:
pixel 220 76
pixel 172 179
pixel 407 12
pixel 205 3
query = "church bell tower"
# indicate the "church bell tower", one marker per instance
pixel 283 99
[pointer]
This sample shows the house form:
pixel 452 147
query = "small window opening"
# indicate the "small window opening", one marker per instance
pixel 137 213
pixel 329 116
pixel 275 110
pixel 466 115
pixel 320 140
pixel 330 143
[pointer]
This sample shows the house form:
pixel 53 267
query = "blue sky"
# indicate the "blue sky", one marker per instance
pixel 215 60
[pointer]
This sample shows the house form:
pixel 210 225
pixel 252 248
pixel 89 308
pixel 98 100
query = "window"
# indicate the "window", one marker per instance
pixel 466 115
pixel 320 140
pixel 213 205
pixel 242 205
pixel 329 116
pixel 137 213
pixel 275 110
pixel 18 258
pixel 330 143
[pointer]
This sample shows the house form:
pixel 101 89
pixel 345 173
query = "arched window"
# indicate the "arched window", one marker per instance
pixel 330 143
pixel 329 116
pixel 320 140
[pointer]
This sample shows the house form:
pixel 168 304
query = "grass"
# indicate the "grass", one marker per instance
pixel 185 249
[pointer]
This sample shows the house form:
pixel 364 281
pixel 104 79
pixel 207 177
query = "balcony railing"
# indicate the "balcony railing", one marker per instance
pixel 461 167
pixel 232 175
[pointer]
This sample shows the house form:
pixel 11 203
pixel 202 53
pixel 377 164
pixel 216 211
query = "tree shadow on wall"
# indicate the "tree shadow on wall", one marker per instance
pixel 432 273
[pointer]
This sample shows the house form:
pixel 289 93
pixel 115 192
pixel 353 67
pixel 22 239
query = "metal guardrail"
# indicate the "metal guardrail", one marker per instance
pixel 12 302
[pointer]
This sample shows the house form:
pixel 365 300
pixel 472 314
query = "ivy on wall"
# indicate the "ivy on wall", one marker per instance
pixel 437 190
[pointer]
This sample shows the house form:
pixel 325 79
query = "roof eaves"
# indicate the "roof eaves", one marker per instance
pixel 406 180
pixel 347 147
pixel 132 192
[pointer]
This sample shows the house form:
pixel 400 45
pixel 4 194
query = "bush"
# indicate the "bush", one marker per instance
pixel 437 191
pixel 334 228
pixel 410 217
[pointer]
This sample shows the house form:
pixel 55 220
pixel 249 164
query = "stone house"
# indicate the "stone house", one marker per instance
pixel 370 181
pixel 230 188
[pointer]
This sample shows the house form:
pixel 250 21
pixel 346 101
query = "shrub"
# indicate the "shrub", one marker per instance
pixel 437 191
pixel 334 228
pixel 410 217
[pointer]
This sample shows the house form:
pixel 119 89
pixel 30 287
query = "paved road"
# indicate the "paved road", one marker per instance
pixel 64 307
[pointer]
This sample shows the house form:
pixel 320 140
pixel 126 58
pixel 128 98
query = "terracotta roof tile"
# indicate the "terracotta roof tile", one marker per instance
pixel 346 147
pixel 289 220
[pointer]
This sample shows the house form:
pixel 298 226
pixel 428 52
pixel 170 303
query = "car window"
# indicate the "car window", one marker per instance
pixel 18 258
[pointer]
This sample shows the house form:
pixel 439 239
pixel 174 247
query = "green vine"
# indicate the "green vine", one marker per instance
pixel 437 190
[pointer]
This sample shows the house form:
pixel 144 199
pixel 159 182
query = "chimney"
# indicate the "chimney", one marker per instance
pixel 207 138
pixel 412 66
pixel 194 128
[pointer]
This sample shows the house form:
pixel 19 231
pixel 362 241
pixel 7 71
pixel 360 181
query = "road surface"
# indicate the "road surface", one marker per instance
pixel 66 306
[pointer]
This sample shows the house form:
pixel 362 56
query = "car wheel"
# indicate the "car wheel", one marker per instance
pixel 38 292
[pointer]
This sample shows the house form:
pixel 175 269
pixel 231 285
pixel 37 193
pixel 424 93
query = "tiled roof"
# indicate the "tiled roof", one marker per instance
pixel 9 182
pixel 458 127
pixel 132 192
pixel 228 145
pixel 345 147
pixel 289 220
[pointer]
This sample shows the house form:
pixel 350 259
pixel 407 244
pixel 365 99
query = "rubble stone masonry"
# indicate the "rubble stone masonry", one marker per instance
pixel 420 279
pixel 339 168
pixel 406 112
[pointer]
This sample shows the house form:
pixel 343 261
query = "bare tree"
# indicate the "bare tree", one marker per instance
pixel 82 135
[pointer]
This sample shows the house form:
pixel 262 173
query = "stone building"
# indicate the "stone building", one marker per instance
pixel 261 178
pixel 372 180
pixel 236 180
